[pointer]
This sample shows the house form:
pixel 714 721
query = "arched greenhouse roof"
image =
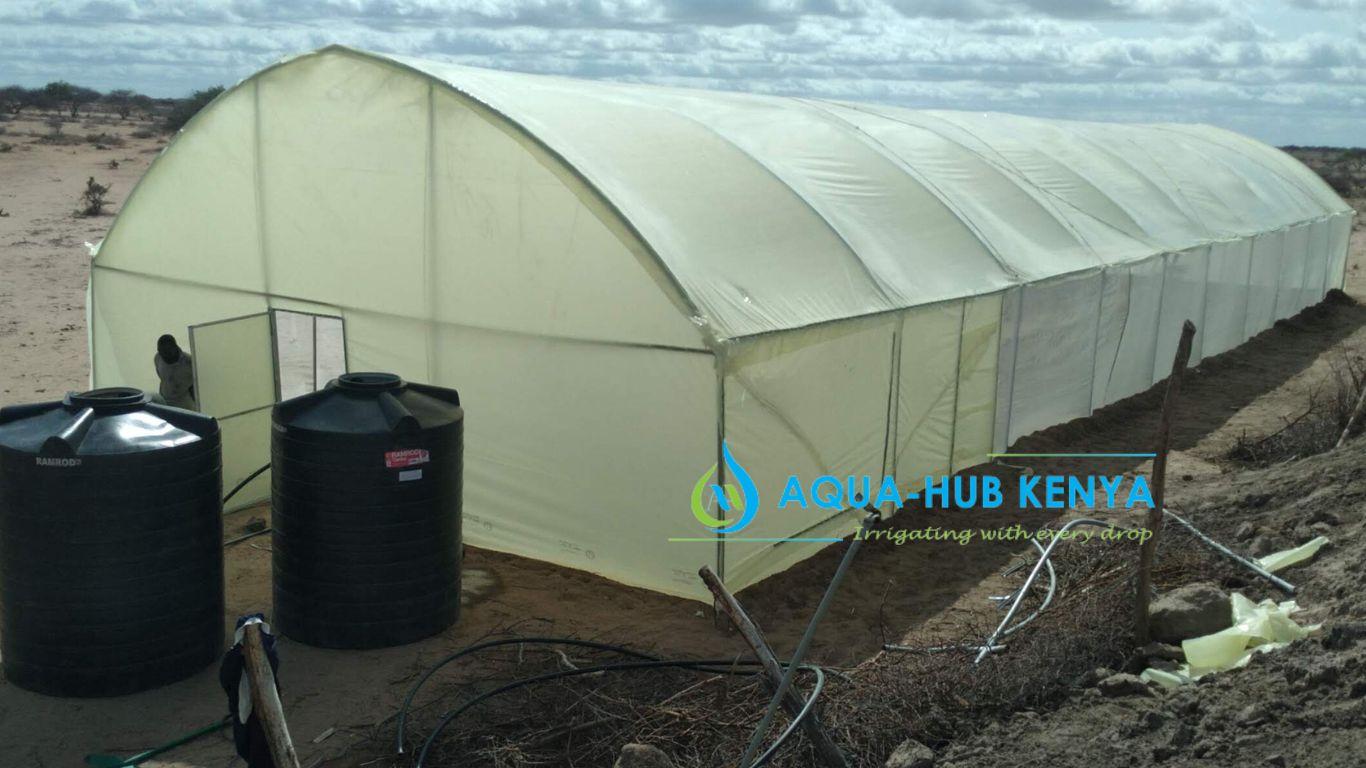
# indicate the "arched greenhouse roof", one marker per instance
pixel 855 209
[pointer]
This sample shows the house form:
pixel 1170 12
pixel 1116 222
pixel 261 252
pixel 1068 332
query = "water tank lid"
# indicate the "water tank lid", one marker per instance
pixel 102 422
pixel 108 398
pixel 369 381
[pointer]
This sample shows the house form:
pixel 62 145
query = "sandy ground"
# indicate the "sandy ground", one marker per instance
pixel 891 592
pixel 44 264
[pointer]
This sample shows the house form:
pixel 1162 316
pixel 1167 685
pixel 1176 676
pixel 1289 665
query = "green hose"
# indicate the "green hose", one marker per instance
pixel 99 760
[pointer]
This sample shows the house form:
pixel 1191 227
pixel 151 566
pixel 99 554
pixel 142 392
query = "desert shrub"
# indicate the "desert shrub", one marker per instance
pixel 1318 427
pixel 187 108
pixel 105 139
pixel 92 199
pixel 1343 182
pixel 143 133
pixel 124 101
pixel 54 133
pixel 6 146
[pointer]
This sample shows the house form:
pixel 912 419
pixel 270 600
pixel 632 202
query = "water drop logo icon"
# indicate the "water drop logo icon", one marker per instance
pixel 743 500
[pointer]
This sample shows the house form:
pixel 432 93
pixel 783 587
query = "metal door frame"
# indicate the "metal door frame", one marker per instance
pixel 194 360
pixel 274 349
pixel 275 345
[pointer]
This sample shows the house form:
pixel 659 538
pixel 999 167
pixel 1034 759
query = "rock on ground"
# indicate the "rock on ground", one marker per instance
pixel 642 756
pixel 911 754
pixel 1190 611
pixel 1122 684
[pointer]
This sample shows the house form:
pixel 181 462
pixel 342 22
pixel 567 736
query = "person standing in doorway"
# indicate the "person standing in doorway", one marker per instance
pixel 176 372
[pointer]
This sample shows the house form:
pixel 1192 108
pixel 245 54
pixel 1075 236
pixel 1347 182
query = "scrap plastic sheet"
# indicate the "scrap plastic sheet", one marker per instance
pixel 1257 628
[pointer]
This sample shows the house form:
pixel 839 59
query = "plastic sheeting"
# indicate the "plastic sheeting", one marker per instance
pixel 1257 628
pixel 620 278
pixel 1284 559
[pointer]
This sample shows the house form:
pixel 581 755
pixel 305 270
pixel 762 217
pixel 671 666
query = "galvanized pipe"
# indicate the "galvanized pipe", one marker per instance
pixel 757 739
pixel 1033 574
pixel 1280 583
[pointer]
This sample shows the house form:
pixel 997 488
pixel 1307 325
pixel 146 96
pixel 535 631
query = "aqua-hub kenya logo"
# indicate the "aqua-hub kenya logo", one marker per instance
pixel 743 501
pixel 736 497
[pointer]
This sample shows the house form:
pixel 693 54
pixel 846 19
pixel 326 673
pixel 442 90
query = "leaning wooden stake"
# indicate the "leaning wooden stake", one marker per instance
pixel 826 749
pixel 265 699
pixel 1159 483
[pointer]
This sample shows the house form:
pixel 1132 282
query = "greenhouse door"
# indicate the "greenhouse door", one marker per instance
pixel 244 365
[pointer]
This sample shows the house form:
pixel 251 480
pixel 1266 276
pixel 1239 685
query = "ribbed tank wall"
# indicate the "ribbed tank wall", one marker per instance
pixel 366 491
pixel 111 544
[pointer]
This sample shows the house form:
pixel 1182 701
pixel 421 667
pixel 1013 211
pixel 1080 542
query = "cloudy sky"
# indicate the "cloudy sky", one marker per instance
pixel 1285 71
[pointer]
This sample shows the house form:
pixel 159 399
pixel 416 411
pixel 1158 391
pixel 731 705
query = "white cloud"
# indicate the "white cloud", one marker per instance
pixel 1327 5
pixel 1104 59
pixel 1178 10
pixel 1236 29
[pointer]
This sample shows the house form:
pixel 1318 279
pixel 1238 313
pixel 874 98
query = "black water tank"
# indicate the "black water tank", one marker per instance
pixel 111 544
pixel 366 489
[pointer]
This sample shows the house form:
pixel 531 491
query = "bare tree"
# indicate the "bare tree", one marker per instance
pixel 13 98
pixel 122 101
pixel 187 108
pixel 70 97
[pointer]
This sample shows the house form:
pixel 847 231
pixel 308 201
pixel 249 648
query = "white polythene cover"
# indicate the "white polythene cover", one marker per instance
pixel 619 279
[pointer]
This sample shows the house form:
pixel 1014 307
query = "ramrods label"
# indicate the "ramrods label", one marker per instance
pixel 409 457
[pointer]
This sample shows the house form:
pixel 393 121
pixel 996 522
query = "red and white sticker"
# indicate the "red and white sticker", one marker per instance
pixel 410 457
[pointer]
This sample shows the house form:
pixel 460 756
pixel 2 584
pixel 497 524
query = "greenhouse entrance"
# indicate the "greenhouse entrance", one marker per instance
pixel 244 365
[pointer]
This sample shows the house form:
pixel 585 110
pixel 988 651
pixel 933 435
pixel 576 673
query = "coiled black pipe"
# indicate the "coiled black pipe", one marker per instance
pixel 466 651
pixel 644 661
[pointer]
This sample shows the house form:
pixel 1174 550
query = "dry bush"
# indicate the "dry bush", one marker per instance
pixel 92 199
pixel 704 719
pixel 54 133
pixel 579 721
pixel 104 139
pixel 1318 427
pixel 61 140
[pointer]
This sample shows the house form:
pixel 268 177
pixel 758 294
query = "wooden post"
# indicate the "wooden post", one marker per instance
pixel 826 749
pixel 1159 484
pixel 1357 413
pixel 265 699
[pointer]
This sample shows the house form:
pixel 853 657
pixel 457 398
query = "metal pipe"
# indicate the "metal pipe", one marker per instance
pixel 747 761
pixel 1033 574
pixel 939 648
pixel 1280 583
pixel 1047 598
